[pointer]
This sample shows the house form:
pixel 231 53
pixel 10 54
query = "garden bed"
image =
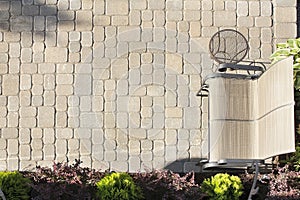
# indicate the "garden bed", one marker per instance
pixel 64 181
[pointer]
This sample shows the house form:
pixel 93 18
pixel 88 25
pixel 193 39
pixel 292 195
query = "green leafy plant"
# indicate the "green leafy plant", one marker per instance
pixel 118 186
pixel 15 186
pixel 223 187
pixel 284 50
pixel 291 48
pixel 294 159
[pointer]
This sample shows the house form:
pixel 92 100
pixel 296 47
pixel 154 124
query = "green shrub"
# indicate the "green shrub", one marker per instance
pixel 223 187
pixel 118 186
pixel 14 185
pixel 290 48
pixel 283 50
pixel 293 159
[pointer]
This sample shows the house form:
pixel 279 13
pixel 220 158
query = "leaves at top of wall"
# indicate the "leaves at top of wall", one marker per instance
pixel 290 48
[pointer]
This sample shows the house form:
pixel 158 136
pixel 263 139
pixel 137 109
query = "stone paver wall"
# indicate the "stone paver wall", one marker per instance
pixel 113 82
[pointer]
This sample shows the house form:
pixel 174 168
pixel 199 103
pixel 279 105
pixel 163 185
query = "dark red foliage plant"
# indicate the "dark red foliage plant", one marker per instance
pixel 64 181
pixel 165 185
pixel 284 183
pixel 64 173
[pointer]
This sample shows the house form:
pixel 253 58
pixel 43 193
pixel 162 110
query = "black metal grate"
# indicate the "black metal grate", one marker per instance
pixel 228 46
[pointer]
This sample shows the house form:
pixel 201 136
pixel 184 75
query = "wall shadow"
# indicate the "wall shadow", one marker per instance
pixel 185 165
pixel 36 16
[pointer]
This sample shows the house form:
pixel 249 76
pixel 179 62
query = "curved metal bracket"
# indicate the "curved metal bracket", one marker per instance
pixel 2 195
pixel 203 92
pixel 254 189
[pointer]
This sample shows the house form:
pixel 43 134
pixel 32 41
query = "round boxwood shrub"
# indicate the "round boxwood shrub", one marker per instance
pixel 223 187
pixel 118 186
pixel 15 186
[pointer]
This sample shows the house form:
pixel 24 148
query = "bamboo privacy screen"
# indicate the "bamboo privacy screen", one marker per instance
pixel 252 119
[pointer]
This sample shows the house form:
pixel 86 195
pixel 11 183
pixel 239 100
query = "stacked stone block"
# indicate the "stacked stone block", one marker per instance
pixel 113 82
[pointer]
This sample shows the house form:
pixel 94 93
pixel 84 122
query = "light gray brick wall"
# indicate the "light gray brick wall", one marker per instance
pixel 113 82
